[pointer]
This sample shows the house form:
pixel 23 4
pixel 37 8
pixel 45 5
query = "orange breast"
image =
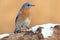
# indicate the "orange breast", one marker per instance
pixel 26 12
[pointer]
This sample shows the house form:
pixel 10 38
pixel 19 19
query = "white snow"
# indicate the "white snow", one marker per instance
pixel 33 29
pixel 47 29
pixel 3 35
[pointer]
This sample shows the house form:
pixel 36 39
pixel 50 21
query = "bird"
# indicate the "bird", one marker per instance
pixel 22 19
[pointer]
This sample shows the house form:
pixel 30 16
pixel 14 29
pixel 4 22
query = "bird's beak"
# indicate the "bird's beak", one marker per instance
pixel 33 5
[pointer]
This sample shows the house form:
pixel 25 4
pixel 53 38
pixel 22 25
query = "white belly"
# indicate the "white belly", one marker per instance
pixel 24 23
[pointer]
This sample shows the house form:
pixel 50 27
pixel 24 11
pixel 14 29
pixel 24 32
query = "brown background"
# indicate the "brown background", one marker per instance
pixel 45 11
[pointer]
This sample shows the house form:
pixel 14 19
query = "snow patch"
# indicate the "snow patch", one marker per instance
pixel 4 35
pixel 34 28
pixel 47 29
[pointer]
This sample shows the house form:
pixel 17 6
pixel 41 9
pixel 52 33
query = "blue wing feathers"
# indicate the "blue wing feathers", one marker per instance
pixel 17 16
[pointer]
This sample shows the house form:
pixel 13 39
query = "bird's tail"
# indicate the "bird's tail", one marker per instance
pixel 17 30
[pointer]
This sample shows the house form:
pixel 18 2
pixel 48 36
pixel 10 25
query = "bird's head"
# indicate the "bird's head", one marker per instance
pixel 27 4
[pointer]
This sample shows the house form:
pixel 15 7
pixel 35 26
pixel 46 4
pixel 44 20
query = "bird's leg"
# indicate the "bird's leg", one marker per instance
pixel 27 27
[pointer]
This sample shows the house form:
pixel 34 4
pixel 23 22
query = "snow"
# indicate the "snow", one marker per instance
pixel 3 35
pixel 33 29
pixel 47 29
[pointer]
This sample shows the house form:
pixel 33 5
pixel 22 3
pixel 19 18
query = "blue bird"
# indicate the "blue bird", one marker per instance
pixel 22 19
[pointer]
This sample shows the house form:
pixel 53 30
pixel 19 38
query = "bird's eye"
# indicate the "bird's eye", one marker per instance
pixel 28 5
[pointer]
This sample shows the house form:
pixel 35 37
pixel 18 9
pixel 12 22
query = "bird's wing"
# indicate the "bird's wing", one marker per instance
pixel 17 16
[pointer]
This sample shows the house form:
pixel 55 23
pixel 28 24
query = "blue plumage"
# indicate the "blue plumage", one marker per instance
pixel 17 30
pixel 27 4
pixel 17 16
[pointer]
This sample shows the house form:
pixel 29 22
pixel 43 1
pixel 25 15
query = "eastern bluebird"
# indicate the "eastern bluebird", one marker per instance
pixel 22 18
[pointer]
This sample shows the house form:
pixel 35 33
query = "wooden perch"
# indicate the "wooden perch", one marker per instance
pixel 29 35
pixel 25 35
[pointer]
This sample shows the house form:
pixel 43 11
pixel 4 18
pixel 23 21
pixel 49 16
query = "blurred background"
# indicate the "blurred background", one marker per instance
pixel 45 11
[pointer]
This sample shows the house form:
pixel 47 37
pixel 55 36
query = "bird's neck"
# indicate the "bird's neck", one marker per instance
pixel 26 12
